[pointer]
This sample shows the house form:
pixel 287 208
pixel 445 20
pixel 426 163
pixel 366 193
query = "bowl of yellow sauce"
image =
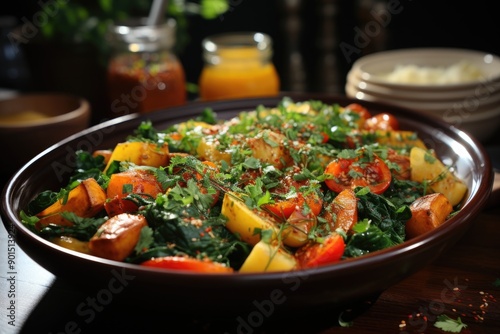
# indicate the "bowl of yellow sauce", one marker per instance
pixel 30 123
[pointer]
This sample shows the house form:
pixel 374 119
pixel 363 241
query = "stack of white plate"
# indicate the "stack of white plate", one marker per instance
pixel 462 87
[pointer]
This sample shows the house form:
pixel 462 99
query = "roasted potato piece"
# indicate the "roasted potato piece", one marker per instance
pixel 428 212
pixel 298 227
pixel 269 147
pixel 342 212
pixel 140 153
pixel 85 200
pixel 425 167
pixel 117 237
pixel 243 221
pixel 403 170
pixel 208 150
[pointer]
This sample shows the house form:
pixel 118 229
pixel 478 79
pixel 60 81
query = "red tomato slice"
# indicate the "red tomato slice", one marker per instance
pixel 286 207
pixel 326 138
pixel 318 254
pixel 351 173
pixel 283 208
pixel 187 263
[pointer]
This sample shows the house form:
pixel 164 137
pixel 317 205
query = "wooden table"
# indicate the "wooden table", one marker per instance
pixel 464 282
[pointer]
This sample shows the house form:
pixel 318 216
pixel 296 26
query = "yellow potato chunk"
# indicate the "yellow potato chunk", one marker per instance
pixel 266 257
pixel 72 244
pixel 140 153
pixel 243 221
pixel 208 150
pixel 269 147
pixel 425 167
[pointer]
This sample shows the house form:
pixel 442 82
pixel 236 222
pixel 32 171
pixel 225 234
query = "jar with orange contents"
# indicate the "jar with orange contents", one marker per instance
pixel 144 74
pixel 238 65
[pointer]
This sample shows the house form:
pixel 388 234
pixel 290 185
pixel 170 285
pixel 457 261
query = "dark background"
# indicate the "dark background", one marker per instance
pixel 313 30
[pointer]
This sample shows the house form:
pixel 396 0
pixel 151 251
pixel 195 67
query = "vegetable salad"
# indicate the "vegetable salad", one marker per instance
pixel 298 185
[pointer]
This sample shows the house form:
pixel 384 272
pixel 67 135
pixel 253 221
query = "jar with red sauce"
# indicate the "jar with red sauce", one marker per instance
pixel 144 74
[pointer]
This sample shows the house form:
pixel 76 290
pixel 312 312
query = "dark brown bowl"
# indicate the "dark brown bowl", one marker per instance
pixel 334 285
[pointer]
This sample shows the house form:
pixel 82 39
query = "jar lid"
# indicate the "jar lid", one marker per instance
pixel 135 36
pixel 213 45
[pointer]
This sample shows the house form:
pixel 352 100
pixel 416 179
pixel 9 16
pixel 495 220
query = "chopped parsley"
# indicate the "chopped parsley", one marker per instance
pixel 448 324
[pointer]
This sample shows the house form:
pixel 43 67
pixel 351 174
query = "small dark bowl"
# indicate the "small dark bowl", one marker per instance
pixel 336 285
pixel 64 115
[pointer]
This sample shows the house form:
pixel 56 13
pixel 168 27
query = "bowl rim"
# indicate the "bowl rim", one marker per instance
pixel 492 88
pixel 473 204
pixel 83 109
pixel 418 53
pixel 428 105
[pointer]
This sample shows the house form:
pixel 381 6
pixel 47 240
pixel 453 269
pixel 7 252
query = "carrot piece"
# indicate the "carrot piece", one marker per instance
pixel 85 200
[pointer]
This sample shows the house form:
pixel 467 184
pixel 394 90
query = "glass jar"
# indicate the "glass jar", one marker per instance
pixel 143 72
pixel 238 65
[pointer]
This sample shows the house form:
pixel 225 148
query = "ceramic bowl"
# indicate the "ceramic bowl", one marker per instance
pixel 375 67
pixel 478 98
pixel 31 123
pixel 334 286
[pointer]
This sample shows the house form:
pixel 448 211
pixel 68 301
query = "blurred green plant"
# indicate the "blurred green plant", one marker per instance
pixel 87 21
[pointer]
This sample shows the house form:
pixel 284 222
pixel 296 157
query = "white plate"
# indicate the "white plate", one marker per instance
pixel 372 67
pixel 482 90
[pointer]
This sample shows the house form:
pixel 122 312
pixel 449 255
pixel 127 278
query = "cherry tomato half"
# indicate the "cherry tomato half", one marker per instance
pixel 285 207
pixel 382 121
pixel 359 109
pixel 187 263
pixel 363 113
pixel 318 254
pixel 352 173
